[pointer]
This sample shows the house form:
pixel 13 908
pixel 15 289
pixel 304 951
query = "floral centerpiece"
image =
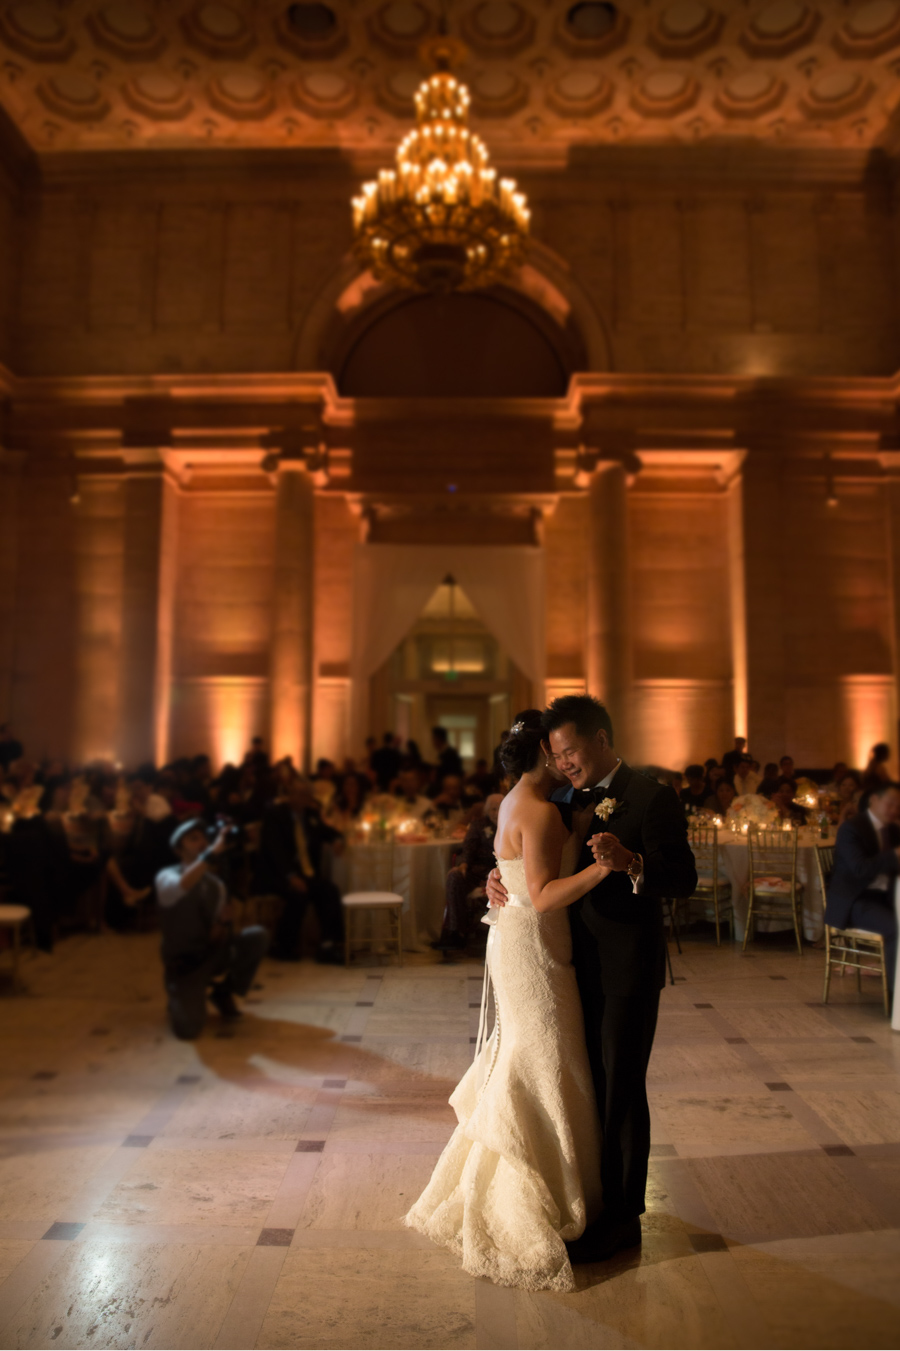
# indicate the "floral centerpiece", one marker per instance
pixel 752 812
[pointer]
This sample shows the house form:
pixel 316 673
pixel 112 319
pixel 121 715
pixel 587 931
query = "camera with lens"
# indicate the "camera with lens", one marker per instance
pixel 233 832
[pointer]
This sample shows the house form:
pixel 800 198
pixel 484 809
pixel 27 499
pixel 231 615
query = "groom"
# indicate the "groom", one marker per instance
pixel 618 944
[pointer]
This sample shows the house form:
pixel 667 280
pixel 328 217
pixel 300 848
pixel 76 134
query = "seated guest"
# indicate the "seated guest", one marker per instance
pixel 745 780
pixel 411 802
pixel 257 758
pixel 202 956
pixel 786 767
pixel 866 863
pixel 731 759
pixel 465 882
pixel 694 795
pixel 782 797
pixel 721 799
pixel 140 848
pixel 714 774
pixel 483 779
pixel 289 865
pixel 346 806
pixel 449 801
pixel 830 789
pixel 11 748
pixel 849 797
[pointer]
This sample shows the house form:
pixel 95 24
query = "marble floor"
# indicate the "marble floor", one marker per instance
pixel 246 1190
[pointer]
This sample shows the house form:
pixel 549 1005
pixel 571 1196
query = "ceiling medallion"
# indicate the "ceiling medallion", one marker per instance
pixel 442 220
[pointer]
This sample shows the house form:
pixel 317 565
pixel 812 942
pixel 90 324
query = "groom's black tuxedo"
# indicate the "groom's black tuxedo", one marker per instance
pixel 618 948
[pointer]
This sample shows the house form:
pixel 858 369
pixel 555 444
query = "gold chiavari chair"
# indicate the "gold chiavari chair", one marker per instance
pixel 774 891
pixel 711 891
pixel 848 947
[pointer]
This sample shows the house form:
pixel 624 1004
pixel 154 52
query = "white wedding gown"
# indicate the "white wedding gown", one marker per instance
pixel 521 1172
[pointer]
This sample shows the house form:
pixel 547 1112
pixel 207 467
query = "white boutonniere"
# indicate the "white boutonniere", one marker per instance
pixel 605 809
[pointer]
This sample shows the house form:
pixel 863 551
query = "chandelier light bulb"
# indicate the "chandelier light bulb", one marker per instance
pixel 441 220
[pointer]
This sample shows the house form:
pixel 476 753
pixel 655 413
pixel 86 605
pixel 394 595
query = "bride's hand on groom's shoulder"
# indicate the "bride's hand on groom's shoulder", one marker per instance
pixel 496 891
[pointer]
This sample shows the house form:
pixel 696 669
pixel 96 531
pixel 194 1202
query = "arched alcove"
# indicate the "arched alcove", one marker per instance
pixel 463 345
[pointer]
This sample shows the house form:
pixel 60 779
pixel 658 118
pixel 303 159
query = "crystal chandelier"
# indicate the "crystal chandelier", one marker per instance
pixel 442 220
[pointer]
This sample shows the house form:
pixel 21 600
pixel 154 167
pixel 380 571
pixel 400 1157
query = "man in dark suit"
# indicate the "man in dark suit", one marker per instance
pixel 866 864
pixel 618 945
pixel 289 865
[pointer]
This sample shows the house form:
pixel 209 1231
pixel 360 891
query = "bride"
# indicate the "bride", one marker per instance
pixel 520 1176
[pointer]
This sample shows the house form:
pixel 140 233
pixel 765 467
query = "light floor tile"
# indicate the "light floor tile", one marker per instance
pixel 365 1191
pixel 106 1294
pixel 329 1300
pixel 195 1186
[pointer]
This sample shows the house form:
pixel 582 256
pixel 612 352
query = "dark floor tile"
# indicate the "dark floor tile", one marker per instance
pixel 475 1006
pixel 365 1003
pixel 779 1087
pixel 703 1006
pixel 99 1031
pixel 45 1074
pixel 472 1041
pixel 137 1141
pixel 275 1238
pixel 351 1038
pixel 663 1152
pixel 736 1041
pixel 310 1147
pixel 63 1229
pixel 778 978
pixel 188 1079
pixel 680 980
pixel 334 1083
pixel 708 1243
pixel 867 1041
pixel 839 1151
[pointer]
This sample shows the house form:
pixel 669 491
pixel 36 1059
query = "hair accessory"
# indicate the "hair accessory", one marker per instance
pixel 516 728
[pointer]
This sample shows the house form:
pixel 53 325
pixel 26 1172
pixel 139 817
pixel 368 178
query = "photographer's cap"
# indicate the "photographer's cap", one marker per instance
pixel 195 823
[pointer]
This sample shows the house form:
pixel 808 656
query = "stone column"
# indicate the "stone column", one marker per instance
pixel 292 615
pixel 762 495
pixel 148 572
pixel 609 643
pixel 99 536
pixel 890 462
pixel 10 474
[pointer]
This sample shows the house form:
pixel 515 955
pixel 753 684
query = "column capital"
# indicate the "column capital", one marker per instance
pixel 591 461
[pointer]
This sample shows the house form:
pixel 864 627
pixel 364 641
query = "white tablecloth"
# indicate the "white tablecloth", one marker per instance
pixel 734 867
pixel 417 872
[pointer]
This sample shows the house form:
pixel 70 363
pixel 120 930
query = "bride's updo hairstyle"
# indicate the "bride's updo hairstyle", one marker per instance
pixel 521 750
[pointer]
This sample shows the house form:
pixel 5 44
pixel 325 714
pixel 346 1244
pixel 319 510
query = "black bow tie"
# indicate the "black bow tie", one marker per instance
pixel 587 797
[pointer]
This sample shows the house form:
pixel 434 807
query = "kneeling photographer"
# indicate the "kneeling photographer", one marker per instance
pixel 203 956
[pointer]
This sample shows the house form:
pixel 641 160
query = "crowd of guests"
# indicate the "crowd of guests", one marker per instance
pixel 713 786
pixel 83 848
pixel 98 848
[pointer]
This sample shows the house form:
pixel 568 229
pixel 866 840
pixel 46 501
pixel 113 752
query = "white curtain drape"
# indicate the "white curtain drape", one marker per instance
pixel 393 583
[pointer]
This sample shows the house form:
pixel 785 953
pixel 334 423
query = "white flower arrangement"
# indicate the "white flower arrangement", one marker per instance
pixel 605 809
pixel 751 810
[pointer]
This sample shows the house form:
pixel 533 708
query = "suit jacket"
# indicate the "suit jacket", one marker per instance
pixel 858 860
pixel 277 857
pixel 649 820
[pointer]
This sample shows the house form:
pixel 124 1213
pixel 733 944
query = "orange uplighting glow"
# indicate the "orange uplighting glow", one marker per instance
pixel 869 714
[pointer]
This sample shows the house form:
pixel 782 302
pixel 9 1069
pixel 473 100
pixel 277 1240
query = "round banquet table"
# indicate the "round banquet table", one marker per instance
pixel 734 867
pixel 417 872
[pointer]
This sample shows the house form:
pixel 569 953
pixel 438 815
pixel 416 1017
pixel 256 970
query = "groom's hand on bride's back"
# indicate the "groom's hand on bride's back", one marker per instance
pixel 496 891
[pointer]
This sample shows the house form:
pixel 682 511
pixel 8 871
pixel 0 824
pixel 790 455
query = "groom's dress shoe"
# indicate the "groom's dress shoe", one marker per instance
pixel 601 1242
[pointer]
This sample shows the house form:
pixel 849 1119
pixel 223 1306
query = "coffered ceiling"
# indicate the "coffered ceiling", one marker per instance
pixel 544 76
